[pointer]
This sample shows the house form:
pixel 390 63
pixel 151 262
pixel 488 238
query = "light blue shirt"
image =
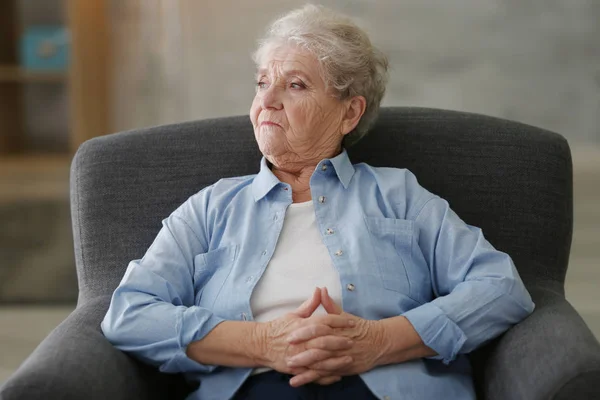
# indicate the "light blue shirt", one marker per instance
pixel 398 249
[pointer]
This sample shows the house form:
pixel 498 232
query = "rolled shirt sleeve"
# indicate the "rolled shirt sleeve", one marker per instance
pixel 479 293
pixel 152 314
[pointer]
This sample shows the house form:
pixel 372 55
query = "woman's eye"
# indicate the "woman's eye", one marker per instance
pixel 297 85
pixel 261 85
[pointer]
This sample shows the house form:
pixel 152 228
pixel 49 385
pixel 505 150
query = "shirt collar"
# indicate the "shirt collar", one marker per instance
pixel 265 180
pixel 343 167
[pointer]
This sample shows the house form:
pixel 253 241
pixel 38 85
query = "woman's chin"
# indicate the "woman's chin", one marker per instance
pixel 270 148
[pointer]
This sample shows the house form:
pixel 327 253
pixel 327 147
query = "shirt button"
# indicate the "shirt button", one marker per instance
pixel 350 287
pixel 324 167
pixel 275 217
pixel 329 231
pixel 339 253
pixel 264 253
pixel 249 279
pixel 244 316
pixel 321 199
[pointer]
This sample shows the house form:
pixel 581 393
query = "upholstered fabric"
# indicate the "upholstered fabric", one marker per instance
pixel 512 180
pixel 76 362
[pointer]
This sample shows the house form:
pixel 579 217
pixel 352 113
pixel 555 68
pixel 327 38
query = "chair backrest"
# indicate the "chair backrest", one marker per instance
pixel 512 180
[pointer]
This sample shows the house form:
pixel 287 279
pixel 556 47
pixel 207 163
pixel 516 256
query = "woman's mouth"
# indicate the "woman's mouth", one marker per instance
pixel 269 123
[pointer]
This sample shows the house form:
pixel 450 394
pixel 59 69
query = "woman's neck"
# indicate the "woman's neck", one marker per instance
pixel 299 180
pixel 297 174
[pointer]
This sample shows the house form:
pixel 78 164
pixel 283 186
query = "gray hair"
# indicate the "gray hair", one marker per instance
pixel 349 63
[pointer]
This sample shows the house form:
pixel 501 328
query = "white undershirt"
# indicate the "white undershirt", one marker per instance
pixel 299 264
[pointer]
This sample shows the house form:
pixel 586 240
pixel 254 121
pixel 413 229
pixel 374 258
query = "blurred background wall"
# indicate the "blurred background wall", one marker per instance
pixel 36 256
pixel 138 63
pixel 529 60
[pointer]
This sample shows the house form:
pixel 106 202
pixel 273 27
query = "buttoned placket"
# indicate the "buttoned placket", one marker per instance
pixel 277 215
pixel 330 236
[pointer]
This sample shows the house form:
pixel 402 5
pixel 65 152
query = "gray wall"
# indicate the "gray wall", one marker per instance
pixel 530 60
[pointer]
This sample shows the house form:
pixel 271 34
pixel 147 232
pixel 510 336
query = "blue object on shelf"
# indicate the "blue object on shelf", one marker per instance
pixel 45 48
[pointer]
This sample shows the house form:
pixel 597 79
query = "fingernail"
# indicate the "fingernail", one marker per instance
pixel 350 342
pixel 351 322
pixel 289 339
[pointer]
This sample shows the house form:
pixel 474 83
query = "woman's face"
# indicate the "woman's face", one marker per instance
pixel 293 114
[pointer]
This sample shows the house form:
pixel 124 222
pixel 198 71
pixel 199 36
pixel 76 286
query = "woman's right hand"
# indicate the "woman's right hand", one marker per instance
pixel 278 350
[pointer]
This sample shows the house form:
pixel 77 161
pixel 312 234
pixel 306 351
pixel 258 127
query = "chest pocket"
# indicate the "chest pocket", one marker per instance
pixel 392 243
pixel 211 270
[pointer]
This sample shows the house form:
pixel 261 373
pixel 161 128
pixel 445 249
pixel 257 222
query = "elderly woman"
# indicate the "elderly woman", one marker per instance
pixel 316 278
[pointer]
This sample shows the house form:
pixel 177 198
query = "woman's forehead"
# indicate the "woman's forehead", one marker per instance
pixel 288 60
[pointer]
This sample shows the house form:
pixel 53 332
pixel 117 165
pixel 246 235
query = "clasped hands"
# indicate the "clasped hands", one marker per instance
pixel 322 348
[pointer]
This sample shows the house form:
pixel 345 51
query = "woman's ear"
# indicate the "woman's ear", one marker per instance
pixel 355 108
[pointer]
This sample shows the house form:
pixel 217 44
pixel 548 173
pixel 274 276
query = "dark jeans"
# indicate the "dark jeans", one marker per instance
pixel 275 385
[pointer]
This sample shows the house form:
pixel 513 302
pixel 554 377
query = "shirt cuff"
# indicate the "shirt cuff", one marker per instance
pixel 437 331
pixel 194 323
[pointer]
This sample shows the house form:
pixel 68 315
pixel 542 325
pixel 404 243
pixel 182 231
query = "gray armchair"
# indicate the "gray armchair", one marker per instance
pixel 512 180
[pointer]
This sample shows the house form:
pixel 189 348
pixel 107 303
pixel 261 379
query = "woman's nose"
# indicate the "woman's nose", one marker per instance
pixel 271 98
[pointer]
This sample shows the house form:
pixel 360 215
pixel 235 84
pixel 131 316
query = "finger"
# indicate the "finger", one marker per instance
pixel 328 304
pixel 308 357
pixel 319 326
pixel 310 305
pixel 330 342
pixel 328 380
pixel 335 321
pixel 307 308
pixel 304 378
pixel 305 333
pixel 295 371
pixel 334 364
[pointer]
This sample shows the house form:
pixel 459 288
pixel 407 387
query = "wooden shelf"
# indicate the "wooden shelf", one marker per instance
pixel 17 74
pixel 87 80
pixel 33 162
pixel 34 177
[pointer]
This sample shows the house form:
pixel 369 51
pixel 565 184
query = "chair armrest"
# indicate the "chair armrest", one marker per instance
pixel 77 362
pixel 550 355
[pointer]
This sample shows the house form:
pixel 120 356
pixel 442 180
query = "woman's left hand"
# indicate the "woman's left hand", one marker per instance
pixel 367 348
